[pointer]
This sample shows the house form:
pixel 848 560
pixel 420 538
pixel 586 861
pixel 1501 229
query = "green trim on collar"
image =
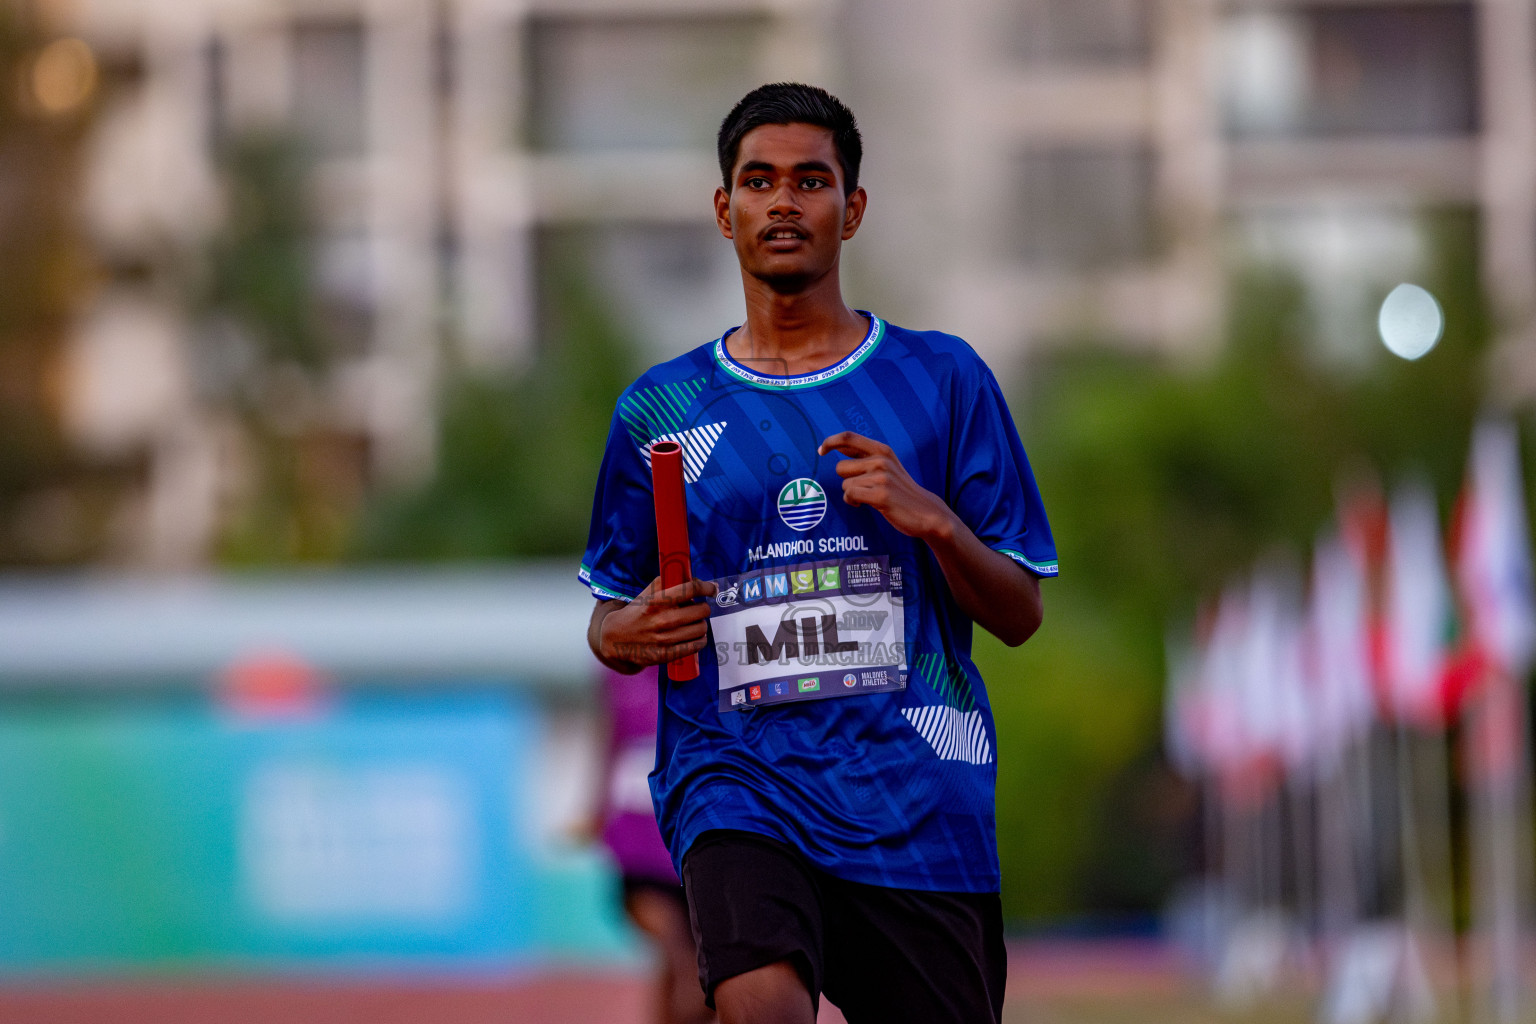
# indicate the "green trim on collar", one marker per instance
pixel 837 370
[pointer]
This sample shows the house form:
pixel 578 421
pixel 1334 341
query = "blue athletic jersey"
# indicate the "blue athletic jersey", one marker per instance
pixel 838 709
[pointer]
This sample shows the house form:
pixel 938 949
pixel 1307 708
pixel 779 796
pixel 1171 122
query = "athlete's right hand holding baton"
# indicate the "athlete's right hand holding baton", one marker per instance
pixel 655 628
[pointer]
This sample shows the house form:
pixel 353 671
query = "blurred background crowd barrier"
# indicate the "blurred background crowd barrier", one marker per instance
pixel 312 317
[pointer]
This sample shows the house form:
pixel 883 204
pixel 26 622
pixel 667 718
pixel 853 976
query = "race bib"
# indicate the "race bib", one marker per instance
pixel 809 632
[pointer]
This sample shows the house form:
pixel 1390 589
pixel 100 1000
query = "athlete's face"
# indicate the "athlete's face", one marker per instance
pixel 786 211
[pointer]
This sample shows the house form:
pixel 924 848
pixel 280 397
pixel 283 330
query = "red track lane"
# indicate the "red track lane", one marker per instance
pixel 1037 970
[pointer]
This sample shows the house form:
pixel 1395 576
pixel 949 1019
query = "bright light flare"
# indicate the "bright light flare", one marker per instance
pixel 64 76
pixel 1410 321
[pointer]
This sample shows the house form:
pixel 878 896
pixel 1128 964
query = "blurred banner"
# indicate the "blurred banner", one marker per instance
pixel 382 830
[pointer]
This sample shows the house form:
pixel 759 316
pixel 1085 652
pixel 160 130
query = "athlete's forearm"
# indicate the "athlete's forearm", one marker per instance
pixel 994 590
pixel 661 625
pixel 595 639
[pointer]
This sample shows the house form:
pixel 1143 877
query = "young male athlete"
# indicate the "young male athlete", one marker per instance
pixel 857 498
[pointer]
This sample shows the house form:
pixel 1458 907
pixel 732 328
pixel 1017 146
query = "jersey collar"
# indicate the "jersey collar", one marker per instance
pixel 841 368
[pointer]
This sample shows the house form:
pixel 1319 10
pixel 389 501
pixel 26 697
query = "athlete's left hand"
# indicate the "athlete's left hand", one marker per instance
pixel 874 476
pixel 988 586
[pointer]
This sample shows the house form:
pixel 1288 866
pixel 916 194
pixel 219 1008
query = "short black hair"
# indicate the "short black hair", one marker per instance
pixel 792 103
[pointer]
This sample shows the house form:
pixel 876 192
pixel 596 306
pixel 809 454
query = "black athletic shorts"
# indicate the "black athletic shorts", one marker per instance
pixel 633 884
pixel 879 954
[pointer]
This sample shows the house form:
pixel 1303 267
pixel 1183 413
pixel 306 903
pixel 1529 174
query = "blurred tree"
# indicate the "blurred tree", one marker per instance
pixel 518 450
pixel 1164 483
pixel 265 351
pixel 56 506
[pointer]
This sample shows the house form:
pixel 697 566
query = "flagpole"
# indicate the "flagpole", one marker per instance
pixel 1500 780
pixel 1303 834
pixel 1217 895
pixel 1416 999
pixel 1431 770
pixel 1337 893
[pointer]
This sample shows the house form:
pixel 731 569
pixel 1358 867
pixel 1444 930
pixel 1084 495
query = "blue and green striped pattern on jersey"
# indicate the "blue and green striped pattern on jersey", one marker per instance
pixel 955 729
pixel 651 413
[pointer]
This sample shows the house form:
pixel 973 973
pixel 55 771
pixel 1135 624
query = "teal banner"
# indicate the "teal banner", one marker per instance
pixel 371 831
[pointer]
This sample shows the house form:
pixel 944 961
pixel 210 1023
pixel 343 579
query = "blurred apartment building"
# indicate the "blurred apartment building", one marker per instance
pixel 1041 171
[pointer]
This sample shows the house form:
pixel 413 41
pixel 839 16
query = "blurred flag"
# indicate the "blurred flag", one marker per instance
pixel 1239 711
pixel 1281 667
pixel 1419 616
pixel 1339 623
pixel 1493 556
pixel 1363 531
pixel 1220 686
pixel 1266 711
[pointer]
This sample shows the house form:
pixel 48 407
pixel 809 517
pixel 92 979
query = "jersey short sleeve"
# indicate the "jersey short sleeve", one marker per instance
pixel 620 559
pixel 992 489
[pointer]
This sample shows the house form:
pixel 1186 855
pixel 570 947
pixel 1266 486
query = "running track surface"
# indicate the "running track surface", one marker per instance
pixel 1037 970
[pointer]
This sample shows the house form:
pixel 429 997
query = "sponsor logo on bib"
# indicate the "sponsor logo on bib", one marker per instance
pixel 802 503
pixel 809 626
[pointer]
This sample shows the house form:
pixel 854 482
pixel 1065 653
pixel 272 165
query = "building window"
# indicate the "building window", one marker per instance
pixel 344 270
pixel 330 86
pixel 1371 69
pixel 1083 207
pixel 636 83
pixel 1105 32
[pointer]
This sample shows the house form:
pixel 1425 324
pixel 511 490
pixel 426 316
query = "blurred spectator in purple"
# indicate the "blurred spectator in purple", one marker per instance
pixel 653 894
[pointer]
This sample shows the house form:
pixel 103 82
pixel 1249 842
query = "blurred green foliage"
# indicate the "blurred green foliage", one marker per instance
pixel 518 449
pixel 266 343
pixel 261 270
pixel 1164 483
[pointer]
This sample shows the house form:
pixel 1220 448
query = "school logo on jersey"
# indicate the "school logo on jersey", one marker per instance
pixel 802 503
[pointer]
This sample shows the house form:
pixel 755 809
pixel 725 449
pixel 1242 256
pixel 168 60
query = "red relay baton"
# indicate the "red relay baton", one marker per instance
pixel 672 535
